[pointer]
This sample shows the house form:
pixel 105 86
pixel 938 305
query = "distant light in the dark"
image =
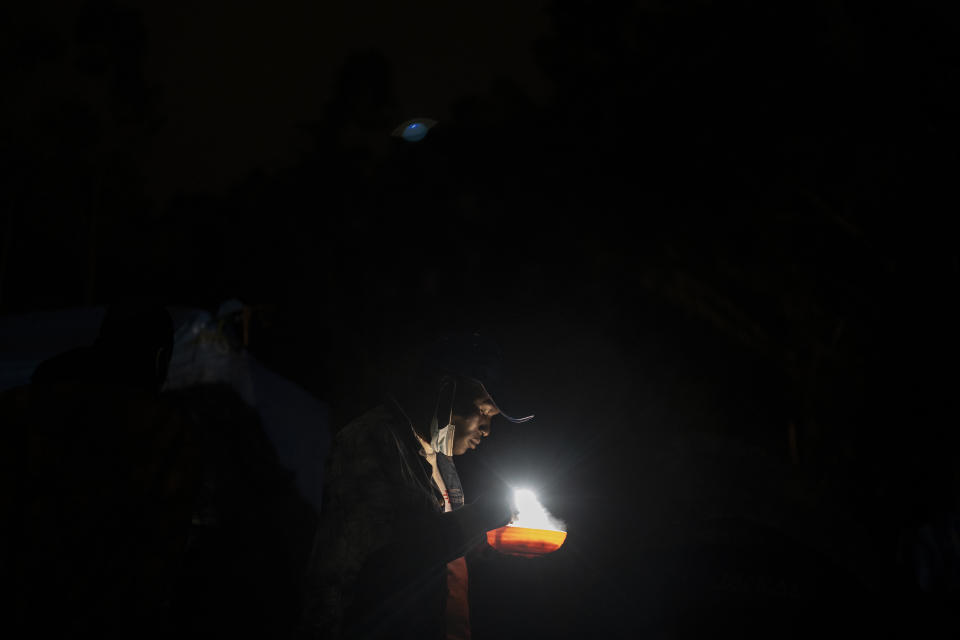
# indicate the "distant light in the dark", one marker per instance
pixel 414 130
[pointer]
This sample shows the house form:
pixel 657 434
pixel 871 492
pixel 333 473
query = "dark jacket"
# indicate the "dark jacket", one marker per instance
pixel 378 563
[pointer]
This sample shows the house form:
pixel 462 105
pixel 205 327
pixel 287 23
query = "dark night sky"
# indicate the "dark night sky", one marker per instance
pixel 235 83
pixel 243 79
pixel 712 237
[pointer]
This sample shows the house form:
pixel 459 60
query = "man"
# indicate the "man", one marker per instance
pixel 388 560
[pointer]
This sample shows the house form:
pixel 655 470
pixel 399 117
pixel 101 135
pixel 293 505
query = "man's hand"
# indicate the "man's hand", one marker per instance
pixel 497 508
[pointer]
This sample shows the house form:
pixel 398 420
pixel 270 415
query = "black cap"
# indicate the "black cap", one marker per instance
pixel 473 356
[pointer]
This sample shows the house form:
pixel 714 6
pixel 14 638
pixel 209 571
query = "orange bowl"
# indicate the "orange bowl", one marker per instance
pixel 520 541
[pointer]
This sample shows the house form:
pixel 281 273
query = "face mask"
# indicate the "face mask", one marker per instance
pixel 442 441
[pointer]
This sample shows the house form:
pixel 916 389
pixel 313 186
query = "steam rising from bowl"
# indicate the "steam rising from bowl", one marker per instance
pixel 531 514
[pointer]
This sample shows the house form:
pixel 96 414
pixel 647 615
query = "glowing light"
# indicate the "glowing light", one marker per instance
pixel 414 130
pixel 533 531
pixel 531 514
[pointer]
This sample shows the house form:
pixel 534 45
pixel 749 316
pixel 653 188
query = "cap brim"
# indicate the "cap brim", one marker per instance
pixel 503 414
pixel 514 420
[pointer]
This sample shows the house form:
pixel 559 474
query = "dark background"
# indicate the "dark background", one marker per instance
pixel 712 237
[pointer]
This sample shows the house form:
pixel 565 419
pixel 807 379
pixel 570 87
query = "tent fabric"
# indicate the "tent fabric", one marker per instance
pixel 294 420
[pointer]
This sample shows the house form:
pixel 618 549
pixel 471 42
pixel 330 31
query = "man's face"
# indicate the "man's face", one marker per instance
pixel 472 428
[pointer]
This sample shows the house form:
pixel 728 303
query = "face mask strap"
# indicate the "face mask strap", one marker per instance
pixel 434 421
pixel 453 398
